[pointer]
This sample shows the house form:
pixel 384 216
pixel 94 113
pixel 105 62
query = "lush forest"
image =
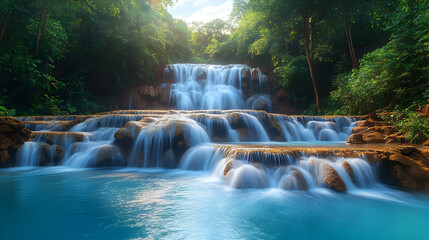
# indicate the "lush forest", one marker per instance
pixel 333 57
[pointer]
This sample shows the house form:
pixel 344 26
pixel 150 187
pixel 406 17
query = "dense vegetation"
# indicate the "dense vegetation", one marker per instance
pixel 333 57
pixel 60 57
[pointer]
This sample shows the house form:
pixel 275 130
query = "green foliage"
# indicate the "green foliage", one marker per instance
pixel 76 57
pixel 293 72
pixel 414 125
pixel 206 39
pixel 61 57
pixel 396 74
pixel 5 112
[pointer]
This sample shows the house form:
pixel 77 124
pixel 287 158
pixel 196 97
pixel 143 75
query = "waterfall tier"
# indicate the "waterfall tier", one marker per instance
pixel 215 128
pixel 198 86
pixel 245 148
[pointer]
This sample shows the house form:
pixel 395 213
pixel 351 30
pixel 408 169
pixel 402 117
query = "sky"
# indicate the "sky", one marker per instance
pixel 201 10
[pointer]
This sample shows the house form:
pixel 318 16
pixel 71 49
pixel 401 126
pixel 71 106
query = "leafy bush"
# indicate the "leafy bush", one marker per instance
pixel 5 112
pixel 414 125
pixel 394 75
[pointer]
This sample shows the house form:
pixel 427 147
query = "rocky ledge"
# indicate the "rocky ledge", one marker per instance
pixel 372 131
pixel 403 166
pixel 13 134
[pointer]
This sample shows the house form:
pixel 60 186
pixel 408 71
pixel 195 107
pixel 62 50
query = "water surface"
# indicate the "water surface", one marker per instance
pixel 61 203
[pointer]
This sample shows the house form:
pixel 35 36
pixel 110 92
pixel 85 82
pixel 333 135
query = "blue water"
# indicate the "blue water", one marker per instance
pixel 59 203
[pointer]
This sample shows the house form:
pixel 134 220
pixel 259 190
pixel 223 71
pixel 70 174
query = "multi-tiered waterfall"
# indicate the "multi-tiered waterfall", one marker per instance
pixel 244 148
pixel 198 86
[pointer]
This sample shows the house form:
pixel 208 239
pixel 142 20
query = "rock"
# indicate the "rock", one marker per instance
pixel 164 94
pixel 57 137
pixel 407 151
pixel 371 131
pixel 426 143
pixel 159 73
pixel 355 138
pixel 283 93
pixel 108 156
pixel 374 137
pixel 202 75
pixel 332 180
pixel 146 91
pixel 50 154
pixel 261 104
pixel 246 73
pixel 391 139
pixel 411 172
pixel 370 123
pixel 254 74
pixel 4 157
pixel 13 134
pixel 228 165
pixel 44 154
pixel 349 170
pixel 124 138
pixel 294 181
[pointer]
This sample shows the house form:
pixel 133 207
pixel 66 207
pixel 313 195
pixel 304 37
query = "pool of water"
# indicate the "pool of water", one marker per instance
pixel 60 203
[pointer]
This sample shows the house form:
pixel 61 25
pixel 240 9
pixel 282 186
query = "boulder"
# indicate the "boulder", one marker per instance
pixel 13 134
pixel 57 137
pixel 349 170
pixel 370 123
pixel 261 104
pixel 246 73
pixel 355 138
pixel 164 94
pixel 125 137
pixel 294 181
pixel 407 151
pixel 108 156
pixel 4 157
pixel 254 74
pixel 411 172
pixel 146 91
pixel 373 137
pixel 331 178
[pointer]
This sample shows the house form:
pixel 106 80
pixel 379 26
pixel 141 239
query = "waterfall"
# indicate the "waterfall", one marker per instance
pixel 88 141
pixel 315 128
pixel 210 130
pixel 198 86
pixel 263 168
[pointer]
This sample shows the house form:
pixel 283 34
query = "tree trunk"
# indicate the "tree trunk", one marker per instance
pixel 308 42
pixel 45 20
pixel 6 19
pixel 39 31
pixel 348 32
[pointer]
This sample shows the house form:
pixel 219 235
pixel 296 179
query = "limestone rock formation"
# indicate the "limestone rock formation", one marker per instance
pixel 371 131
pixel 332 180
pixel 108 156
pixel 349 170
pixel 12 135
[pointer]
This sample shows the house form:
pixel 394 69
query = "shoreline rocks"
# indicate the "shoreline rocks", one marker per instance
pixel 371 131
pixel 13 134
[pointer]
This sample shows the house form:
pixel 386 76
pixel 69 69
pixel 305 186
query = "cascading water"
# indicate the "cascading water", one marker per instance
pixel 189 137
pixel 198 86
pixel 262 168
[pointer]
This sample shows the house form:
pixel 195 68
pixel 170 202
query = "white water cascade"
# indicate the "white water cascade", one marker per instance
pixel 262 168
pixel 198 86
pixel 214 129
